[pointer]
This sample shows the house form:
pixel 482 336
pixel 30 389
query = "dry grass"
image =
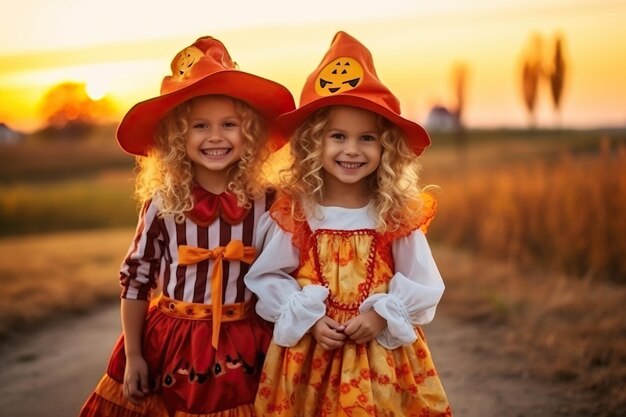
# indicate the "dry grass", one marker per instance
pixel 40 159
pixel 570 331
pixel 101 200
pixel 539 231
pixel 42 276
pixel 58 185
pixel 566 214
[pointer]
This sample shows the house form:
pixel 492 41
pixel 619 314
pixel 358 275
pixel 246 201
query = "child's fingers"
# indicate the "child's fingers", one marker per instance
pixel 361 338
pixel 130 393
pixel 335 325
pixel 335 335
pixel 330 344
pixel 143 383
pixel 134 388
pixel 359 333
pixel 351 328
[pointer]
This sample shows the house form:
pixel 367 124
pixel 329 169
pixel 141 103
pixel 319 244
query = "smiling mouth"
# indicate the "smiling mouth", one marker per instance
pixel 350 165
pixel 216 153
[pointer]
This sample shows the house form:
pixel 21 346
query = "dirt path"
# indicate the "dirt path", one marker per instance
pixel 50 372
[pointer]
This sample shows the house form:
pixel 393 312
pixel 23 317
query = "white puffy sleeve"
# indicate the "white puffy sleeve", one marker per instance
pixel 414 291
pixel 293 309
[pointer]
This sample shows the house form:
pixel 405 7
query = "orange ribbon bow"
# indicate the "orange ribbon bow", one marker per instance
pixel 234 251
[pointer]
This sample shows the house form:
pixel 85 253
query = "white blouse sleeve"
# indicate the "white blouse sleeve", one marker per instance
pixel 414 291
pixel 293 309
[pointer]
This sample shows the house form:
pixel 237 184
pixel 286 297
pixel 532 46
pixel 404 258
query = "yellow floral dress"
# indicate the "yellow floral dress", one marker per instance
pixel 357 379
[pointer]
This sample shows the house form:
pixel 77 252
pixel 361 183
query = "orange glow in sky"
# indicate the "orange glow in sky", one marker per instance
pixel 122 49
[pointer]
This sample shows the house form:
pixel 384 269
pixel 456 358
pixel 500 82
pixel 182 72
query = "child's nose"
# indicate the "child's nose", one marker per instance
pixel 214 135
pixel 352 148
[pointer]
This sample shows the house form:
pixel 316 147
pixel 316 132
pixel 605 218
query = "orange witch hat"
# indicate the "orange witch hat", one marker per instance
pixel 203 68
pixel 346 76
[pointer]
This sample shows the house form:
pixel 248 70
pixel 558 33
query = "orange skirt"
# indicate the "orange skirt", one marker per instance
pixel 353 381
pixel 188 377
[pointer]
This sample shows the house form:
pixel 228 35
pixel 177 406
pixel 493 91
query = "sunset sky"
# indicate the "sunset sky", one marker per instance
pixel 123 49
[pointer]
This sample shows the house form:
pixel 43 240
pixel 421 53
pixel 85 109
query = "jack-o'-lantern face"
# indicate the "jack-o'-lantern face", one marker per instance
pixel 340 75
pixel 183 62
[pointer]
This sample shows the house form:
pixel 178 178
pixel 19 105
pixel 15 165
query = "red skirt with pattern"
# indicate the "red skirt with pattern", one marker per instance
pixel 188 377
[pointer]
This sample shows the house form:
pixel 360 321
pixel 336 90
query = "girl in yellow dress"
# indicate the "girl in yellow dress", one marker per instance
pixel 346 273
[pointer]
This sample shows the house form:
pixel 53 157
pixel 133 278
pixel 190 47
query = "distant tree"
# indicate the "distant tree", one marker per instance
pixel 532 70
pixel 557 75
pixel 459 84
pixel 67 108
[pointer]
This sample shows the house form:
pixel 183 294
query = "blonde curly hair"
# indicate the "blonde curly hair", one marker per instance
pixel 167 172
pixel 395 183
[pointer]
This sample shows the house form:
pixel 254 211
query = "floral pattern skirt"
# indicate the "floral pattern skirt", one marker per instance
pixel 356 380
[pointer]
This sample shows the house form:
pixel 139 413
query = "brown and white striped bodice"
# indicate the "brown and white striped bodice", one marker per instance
pixel 152 259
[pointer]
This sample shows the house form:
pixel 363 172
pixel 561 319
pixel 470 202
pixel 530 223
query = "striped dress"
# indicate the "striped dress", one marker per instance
pixel 197 365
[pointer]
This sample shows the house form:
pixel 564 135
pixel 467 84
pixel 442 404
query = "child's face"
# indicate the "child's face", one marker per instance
pixel 214 140
pixel 351 146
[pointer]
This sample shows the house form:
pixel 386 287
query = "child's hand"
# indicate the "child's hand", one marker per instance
pixel 365 327
pixel 135 379
pixel 328 333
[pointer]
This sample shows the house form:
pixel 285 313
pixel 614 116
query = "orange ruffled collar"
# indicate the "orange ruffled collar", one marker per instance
pixel 209 206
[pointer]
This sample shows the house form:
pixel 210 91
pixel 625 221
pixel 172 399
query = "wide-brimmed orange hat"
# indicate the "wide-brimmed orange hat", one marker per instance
pixel 346 76
pixel 203 68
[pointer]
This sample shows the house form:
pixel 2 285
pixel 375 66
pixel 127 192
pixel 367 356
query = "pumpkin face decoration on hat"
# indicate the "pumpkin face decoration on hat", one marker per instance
pixel 203 68
pixel 184 61
pixel 343 74
pixel 346 77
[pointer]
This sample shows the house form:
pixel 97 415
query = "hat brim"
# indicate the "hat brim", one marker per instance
pixel 136 131
pixel 417 137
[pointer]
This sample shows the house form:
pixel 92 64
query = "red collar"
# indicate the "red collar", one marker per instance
pixel 209 206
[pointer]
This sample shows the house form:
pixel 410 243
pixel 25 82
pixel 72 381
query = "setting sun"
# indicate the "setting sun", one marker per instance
pixel 96 89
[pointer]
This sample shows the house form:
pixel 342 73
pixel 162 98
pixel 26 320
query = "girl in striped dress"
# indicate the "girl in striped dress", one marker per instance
pixel 197 348
pixel 346 273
